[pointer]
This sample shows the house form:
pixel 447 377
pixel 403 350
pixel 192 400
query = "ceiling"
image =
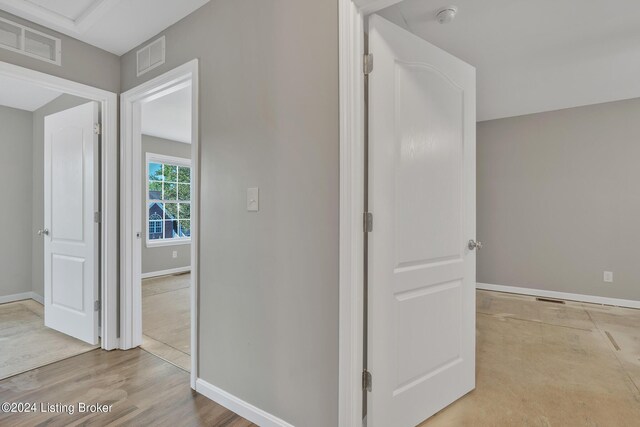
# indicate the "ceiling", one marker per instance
pixel 18 94
pixel 169 117
pixel 116 26
pixel 534 56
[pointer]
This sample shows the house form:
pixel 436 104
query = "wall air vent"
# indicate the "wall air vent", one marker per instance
pixel 27 41
pixel 151 56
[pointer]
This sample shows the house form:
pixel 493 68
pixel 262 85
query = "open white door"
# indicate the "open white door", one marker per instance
pixel 421 341
pixel 71 236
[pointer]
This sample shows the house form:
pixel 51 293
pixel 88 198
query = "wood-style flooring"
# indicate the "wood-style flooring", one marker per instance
pixel 25 343
pixel 142 389
pixel 538 364
pixel 166 318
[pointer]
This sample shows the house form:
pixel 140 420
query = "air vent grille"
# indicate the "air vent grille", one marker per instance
pixel 555 301
pixel 151 56
pixel 27 41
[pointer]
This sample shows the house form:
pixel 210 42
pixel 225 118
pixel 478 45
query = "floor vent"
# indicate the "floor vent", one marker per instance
pixel 556 301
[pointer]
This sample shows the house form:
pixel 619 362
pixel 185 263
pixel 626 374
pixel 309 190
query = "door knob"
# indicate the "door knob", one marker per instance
pixel 44 232
pixel 473 245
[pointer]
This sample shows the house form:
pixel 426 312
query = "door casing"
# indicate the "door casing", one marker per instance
pixel 108 187
pixel 351 40
pixel 131 195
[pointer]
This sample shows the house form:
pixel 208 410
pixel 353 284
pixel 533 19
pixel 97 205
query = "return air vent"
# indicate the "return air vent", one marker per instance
pixel 151 56
pixel 27 41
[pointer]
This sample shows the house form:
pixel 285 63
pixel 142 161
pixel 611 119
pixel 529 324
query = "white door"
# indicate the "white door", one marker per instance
pixel 71 235
pixel 421 342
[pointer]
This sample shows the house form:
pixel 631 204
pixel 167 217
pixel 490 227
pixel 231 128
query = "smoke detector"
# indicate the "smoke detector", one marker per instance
pixel 446 14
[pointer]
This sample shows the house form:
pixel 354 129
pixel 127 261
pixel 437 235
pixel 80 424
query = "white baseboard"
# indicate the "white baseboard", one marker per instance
pixel 166 272
pixel 22 296
pixel 38 298
pixel 560 295
pixel 239 406
pixel 15 297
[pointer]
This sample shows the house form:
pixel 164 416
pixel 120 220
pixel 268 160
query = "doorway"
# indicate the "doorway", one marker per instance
pixel 159 202
pixel 166 230
pixel 58 286
pixel 417 259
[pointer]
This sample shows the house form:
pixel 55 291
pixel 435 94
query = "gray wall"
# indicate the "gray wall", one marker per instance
pixel 62 102
pixel 268 118
pixel 161 258
pixel 559 200
pixel 81 62
pixel 15 175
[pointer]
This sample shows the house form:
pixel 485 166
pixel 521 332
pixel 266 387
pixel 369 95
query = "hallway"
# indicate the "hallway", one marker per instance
pixel 142 389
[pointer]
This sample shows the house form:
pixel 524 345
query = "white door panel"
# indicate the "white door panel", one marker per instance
pixel 421 345
pixel 71 199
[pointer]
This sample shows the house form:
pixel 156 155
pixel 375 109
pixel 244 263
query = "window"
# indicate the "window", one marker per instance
pixel 168 200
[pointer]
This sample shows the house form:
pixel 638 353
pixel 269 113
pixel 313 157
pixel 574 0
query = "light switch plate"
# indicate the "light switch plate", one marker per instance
pixel 608 277
pixel 253 199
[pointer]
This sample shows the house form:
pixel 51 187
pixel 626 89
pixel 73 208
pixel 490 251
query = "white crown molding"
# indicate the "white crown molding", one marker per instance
pixel 54 20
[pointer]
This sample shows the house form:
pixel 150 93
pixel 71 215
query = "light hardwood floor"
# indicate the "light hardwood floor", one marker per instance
pixel 25 343
pixel 166 318
pixel 538 364
pixel 548 364
pixel 142 389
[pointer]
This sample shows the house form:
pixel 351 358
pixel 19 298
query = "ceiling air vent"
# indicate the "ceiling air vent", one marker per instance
pixel 27 41
pixel 151 56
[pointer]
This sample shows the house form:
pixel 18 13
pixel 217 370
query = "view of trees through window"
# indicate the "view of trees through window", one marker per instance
pixel 169 201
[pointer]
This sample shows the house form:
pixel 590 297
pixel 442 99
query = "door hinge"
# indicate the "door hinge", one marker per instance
pixel 96 306
pixel 368 64
pixel 97 129
pixel 366 380
pixel 368 222
pixel 97 217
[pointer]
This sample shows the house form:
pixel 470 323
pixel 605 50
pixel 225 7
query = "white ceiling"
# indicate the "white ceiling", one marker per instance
pixel 169 117
pixel 18 94
pixel 534 56
pixel 116 26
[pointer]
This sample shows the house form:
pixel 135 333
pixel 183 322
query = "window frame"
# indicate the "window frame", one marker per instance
pixel 172 161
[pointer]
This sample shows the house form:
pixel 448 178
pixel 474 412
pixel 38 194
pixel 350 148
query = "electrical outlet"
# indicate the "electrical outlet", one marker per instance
pixel 175 254
pixel 608 276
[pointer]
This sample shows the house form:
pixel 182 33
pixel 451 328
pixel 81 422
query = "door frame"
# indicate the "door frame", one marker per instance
pixel 108 187
pixel 351 41
pixel 130 202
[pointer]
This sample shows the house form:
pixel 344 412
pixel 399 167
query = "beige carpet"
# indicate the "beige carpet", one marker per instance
pixel 166 318
pixel 548 364
pixel 25 343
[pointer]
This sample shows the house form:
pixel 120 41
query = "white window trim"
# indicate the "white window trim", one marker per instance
pixel 174 161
